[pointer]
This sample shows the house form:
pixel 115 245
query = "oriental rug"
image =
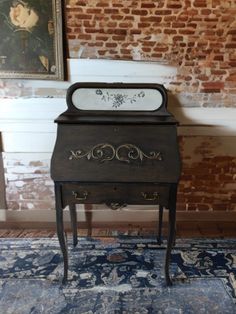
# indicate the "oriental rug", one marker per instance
pixel 119 276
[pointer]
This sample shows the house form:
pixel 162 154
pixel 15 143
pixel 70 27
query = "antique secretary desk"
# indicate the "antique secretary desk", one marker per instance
pixel 116 145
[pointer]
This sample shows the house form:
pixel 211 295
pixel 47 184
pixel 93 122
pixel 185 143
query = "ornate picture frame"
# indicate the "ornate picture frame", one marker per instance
pixel 31 45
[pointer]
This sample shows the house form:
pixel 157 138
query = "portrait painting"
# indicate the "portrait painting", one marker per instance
pixel 31 39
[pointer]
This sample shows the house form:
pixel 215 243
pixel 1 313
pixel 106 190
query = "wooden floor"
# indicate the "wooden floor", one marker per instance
pixel 184 230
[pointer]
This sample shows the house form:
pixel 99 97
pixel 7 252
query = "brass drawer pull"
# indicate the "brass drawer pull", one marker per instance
pixel 151 196
pixel 80 198
pixel 115 206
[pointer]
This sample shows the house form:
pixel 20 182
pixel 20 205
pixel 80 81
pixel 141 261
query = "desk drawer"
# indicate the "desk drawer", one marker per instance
pixel 108 193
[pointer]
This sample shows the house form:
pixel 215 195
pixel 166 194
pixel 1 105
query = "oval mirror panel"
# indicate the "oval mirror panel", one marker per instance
pixel 130 99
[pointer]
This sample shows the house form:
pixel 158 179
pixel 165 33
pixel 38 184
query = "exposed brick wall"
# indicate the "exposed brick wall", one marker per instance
pixel 208 180
pixel 28 182
pixel 196 36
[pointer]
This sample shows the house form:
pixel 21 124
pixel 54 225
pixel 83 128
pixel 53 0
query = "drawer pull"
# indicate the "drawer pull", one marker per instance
pixel 115 206
pixel 151 196
pixel 83 197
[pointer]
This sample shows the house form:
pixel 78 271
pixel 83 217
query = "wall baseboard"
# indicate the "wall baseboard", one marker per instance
pixel 46 218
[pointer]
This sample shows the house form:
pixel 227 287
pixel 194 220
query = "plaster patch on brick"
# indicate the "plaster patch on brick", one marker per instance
pixel 19 184
pixel 49 92
pixel 208 180
pixel 197 148
pixel 28 182
pixel 136 53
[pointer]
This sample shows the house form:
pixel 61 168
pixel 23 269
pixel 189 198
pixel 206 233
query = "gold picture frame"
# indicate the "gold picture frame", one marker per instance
pixel 31 45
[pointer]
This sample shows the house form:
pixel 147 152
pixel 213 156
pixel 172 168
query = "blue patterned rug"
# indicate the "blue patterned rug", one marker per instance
pixel 124 276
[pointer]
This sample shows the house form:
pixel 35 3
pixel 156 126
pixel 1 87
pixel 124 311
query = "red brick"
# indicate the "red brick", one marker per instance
pixel 125 25
pixel 202 77
pixel 91 30
pixel 170 31
pixel 205 11
pixel 148 5
pixel 71 36
pixel 103 38
pixel 125 10
pixel 157 55
pixel 103 4
pixel 231 32
pixel 83 16
pixel 142 25
pixel 118 31
pixel 149 43
pixel 213 85
pixel 146 49
pixel 178 25
pixel 84 36
pixel 117 17
pixel 111 11
pixel 140 12
pixel 161 49
pixel 87 23
pixel 200 3
pixel 178 38
pixel 94 10
pixel 174 6
pixel 118 38
pixel 81 3
pixel 150 18
pixel 163 12
pixel 186 31
pixel 111 45
pixel 171 18
pixel 230 45
pixel 232 64
pixel 112 52
pixel 111 24
pixel 129 18
pixel 196 36
pixel 219 58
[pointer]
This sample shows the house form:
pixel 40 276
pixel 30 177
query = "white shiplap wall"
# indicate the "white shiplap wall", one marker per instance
pixel 26 124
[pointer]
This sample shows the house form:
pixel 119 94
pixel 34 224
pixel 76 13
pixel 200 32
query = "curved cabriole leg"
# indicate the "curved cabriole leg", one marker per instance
pixel 73 218
pixel 171 234
pixel 60 230
pixel 159 236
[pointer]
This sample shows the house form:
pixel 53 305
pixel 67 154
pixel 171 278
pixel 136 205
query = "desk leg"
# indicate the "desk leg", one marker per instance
pixel 88 215
pixel 171 234
pixel 159 236
pixel 60 230
pixel 73 218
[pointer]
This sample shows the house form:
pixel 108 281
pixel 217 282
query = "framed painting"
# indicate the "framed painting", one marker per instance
pixel 31 45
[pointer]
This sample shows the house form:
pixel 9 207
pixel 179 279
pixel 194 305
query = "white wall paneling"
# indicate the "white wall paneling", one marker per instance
pixel 27 123
pixel 27 126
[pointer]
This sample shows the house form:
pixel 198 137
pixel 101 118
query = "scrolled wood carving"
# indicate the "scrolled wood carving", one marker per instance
pixel 107 152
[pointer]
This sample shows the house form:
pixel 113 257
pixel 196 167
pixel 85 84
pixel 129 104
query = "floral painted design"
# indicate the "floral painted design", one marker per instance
pixel 119 99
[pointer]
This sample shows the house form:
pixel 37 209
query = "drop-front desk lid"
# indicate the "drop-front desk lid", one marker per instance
pixel 116 103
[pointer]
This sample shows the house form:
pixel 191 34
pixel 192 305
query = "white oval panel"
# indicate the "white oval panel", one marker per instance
pixel 133 99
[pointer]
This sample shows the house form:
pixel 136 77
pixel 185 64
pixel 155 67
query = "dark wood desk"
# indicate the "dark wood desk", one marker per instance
pixel 116 158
